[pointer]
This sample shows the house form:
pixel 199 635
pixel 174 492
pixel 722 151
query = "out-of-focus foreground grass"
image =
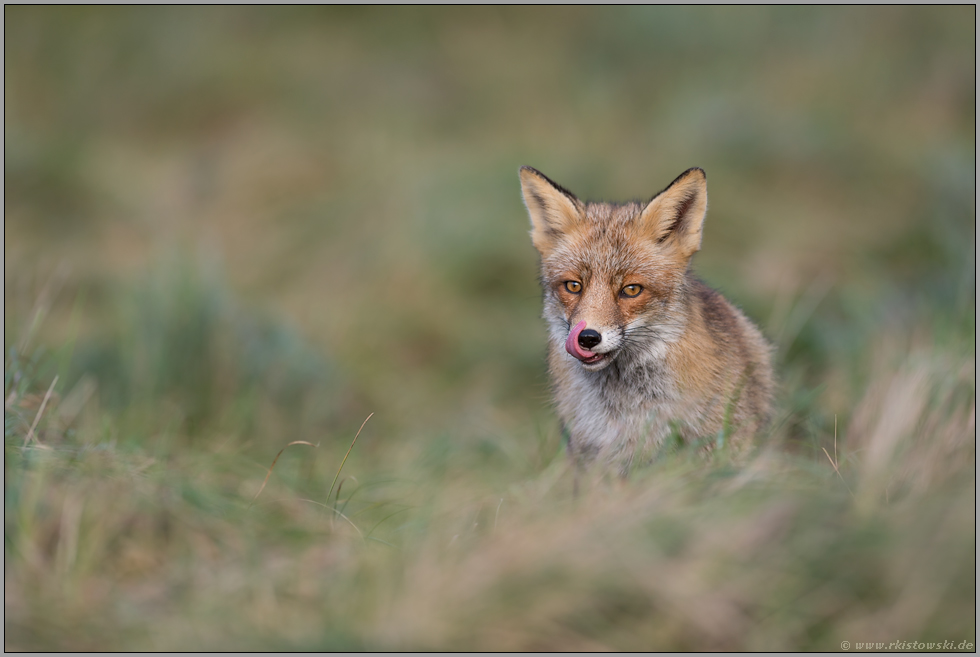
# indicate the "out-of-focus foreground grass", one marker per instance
pixel 231 229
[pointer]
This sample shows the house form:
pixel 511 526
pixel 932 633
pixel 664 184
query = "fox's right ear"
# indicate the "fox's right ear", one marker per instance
pixel 553 209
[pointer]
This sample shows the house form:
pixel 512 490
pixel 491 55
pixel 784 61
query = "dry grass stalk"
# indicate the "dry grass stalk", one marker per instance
pixel 40 411
pixel 269 473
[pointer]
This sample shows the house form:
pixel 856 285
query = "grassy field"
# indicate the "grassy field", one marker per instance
pixel 232 234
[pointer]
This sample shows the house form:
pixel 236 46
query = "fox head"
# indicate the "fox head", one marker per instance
pixel 613 274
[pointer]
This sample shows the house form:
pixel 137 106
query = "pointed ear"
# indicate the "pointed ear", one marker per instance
pixel 553 209
pixel 676 214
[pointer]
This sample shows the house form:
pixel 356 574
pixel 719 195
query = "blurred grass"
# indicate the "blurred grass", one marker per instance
pixel 227 229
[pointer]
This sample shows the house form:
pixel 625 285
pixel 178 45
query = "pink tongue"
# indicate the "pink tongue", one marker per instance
pixel 571 344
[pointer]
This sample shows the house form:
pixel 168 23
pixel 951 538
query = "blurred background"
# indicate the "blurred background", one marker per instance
pixel 229 228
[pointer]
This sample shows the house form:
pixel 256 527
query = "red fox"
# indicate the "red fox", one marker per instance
pixel 640 349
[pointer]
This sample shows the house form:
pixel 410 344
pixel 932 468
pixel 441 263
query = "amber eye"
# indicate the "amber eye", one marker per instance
pixel 573 286
pixel 631 291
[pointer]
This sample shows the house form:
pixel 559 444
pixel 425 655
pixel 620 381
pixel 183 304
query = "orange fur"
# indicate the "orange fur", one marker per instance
pixel 675 357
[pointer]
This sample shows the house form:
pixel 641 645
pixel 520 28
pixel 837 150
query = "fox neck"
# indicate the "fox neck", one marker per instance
pixel 639 376
pixel 629 384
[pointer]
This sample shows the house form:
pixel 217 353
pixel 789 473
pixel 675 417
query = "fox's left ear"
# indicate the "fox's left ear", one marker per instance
pixel 676 214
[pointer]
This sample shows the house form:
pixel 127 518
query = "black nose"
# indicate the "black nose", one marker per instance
pixel 589 338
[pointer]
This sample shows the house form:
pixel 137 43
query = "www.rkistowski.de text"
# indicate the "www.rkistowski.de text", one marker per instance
pixel 908 645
